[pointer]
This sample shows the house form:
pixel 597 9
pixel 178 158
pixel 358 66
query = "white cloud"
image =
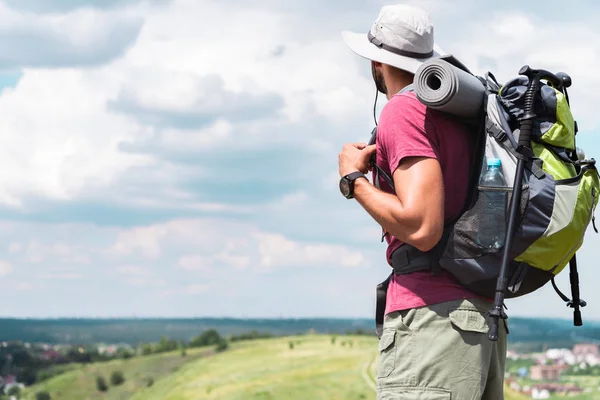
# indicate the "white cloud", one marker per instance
pixel 25 286
pixel 72 144
pixel 36 252
pixel 133 270
pixel 203 263
pixel 83 37
pixel 145 240
pixel 5 268
pixel 52 6
pixel 15 247
pixel 195 289
pixel 231 244
pixel 277 251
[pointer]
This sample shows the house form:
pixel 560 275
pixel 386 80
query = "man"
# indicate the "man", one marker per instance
pixel 434 343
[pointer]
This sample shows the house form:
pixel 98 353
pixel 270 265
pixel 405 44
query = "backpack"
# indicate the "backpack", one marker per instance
pixel 558 194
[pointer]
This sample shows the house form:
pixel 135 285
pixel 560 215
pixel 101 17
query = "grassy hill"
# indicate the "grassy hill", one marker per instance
pixel 269 369
pixel 80 382
pixel 300 367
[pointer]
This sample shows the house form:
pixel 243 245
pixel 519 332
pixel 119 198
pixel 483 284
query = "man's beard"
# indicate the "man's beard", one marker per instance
pixel 378 78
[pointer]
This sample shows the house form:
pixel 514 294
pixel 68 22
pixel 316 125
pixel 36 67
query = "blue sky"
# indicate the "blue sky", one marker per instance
pixel 179 158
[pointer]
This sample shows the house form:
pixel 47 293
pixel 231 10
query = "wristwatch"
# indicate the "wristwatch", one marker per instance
pixel 347 183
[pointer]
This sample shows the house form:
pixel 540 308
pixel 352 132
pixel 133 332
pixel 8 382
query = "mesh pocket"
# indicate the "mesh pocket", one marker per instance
pixel 465 236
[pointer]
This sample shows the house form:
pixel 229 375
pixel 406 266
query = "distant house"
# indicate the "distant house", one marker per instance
pixel 110 350
pixel 10 381
pixel 587 353
pixel 547 372
pixel 560 356
pixel 586 348
pixel 544 390
pixel 49 355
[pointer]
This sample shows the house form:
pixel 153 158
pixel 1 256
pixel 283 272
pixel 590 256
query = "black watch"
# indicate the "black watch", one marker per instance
pixel 347 183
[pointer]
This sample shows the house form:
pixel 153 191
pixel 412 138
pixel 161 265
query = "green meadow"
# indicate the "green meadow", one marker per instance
pixel 79 382
pixel 300 367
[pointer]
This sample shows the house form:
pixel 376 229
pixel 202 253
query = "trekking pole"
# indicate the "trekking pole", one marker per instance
pixel 524 154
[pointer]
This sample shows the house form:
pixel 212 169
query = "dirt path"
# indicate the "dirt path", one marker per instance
pixel 367 376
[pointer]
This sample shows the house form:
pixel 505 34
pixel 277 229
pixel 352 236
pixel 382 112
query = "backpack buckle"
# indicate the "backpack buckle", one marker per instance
pixel 496 132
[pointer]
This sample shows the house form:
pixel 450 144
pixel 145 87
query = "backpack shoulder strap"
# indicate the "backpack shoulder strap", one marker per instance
pixel 378 171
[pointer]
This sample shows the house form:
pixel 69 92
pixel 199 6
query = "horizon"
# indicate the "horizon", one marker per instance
pixel 184 318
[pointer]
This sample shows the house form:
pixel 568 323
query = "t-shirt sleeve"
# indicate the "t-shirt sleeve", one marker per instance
pixel 405 130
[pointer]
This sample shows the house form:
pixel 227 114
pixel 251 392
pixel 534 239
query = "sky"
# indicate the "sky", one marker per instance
pixel 178 158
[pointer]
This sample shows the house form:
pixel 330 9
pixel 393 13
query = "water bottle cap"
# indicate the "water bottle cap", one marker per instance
pixel 494 162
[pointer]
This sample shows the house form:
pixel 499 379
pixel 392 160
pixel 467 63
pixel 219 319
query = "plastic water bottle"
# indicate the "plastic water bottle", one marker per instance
pixel 492 230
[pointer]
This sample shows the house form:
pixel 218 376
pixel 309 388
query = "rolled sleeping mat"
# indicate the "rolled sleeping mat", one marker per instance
pixel 442 86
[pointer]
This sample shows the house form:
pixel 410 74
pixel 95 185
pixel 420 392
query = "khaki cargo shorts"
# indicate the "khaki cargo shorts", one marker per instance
pixel 441 352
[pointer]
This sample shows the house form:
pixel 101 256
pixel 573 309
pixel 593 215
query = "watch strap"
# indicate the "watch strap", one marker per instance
pixel 350 178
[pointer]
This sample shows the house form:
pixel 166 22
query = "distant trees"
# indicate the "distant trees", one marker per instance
pixel 42 396
pixel 207 338
pixel 14 391
pixel 79 354
pixel 183 347
pixel 359 332
pixel 222 346
pixel 117 378
pixel 253 335
pixel 210 338
pixel 166 344
pixel 146 349
pixel 101 384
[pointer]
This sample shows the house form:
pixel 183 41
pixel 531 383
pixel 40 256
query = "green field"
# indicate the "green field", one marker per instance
pixel 269 369
pixel 80 383
pixel 315 368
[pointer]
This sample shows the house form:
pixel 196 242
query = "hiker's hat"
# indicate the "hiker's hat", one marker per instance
pixel 401 36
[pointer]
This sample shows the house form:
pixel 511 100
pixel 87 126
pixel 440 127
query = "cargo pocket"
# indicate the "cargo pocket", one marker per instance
pixel 387 353
pixel 469 320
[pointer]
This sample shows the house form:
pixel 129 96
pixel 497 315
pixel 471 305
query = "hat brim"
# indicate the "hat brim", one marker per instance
pixel 360 44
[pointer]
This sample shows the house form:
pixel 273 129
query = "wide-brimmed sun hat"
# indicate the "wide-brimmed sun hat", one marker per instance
pixel 401 36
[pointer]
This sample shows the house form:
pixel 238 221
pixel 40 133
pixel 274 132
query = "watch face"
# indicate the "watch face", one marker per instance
pixel 345 187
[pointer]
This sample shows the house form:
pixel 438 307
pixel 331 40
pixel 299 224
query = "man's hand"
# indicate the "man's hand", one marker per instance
pixel 355 157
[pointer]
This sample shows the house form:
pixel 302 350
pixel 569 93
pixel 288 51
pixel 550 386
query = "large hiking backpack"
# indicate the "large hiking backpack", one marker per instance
pixel 559 194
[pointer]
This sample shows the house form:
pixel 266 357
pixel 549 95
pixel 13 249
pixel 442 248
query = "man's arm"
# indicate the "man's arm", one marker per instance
pixel 415 215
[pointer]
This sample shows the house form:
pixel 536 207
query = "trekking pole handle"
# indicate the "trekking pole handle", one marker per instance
pixel 565 79
pixel 534 76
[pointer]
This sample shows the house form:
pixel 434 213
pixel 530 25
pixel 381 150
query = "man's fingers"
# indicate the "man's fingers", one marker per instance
pixel 371 149
pixel 360 146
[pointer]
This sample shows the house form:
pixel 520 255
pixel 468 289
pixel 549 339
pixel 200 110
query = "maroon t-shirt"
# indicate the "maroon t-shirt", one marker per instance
pixel 408 128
